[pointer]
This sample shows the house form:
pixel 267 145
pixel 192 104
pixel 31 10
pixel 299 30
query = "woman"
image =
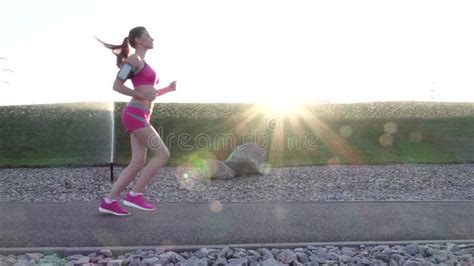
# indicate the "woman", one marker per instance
pixel 136 120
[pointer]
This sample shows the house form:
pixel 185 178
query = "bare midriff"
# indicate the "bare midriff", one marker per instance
pixel 145 89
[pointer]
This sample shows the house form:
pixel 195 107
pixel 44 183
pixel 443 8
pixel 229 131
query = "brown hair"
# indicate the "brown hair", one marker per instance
pixel 122 51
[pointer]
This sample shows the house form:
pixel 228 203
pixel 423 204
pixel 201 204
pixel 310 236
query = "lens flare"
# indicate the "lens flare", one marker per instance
pixel 415 137
pixel 187 178
pixel 386 140
pixel 345 131
pixel 333 161
pixel 215 206
pixel 390 127
pixel 194 170
pixel 265 168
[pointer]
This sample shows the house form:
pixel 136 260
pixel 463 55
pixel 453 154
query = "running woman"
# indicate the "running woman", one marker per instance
pixel 136 120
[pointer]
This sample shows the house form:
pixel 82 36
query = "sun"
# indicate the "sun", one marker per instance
pixel 282 106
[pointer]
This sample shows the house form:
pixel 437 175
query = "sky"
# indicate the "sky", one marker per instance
pixel 242 51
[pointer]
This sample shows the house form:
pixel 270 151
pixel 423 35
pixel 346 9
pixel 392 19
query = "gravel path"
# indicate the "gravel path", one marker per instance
pixel 288 184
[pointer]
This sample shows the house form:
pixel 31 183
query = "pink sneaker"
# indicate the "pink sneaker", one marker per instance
pixel 112 208
pixel 139 202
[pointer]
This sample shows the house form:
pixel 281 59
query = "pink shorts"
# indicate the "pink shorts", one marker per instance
pixel 134 116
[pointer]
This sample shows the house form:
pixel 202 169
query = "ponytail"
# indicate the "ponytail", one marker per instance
pixel 121 51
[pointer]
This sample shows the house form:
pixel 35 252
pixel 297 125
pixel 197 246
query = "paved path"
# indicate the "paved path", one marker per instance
pixel 79 224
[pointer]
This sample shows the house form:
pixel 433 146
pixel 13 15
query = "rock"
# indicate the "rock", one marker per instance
pixel 226 252
pixel 238 262
pixel 452 262
pixel 378 263
pixel 35 256
pixel 322 254
pixel 107 260
pixel 286 256
pixel 201 253
pixel 253 253
pixel 217 170
pixel 270 262
pixel 333 256
pixel 106 253
pixel 380 248
pixel 348 251
pixel 344 259
pixel 117 263
pixel 266 254
pixel 212 251
pixel 52 259
pixel 253 260
pixel 382 256
pixel 440 258
pixel 356 261
pixel 159 251
pixel 397 257
pixel 169 257
pixel 302 257
pixel 434 251
pixel 411 263
pixel 412 249
pixel 469 251
pixel 221 261
pixel 240 254
pixel 275 252
pixel 193 261
pixel 315 259
pixel 451 247
pixel 165 259
pixel 467 257
pixel 9 261
pixel 80 259
pixel 93 258
pixel 299 250
pixel 150 261
pixel 248 158
pixel 426 263
pixel 22 263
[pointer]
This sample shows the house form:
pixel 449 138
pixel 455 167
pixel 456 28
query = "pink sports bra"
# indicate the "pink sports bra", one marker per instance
pixel 146 76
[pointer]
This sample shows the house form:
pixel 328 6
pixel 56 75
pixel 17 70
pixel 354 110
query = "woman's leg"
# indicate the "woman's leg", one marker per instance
pixel 149 137
pixel 136 164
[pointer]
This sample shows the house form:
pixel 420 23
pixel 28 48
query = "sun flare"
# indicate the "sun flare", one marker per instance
pixel 282 106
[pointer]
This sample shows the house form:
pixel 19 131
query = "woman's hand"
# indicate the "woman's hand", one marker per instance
pixel 172 86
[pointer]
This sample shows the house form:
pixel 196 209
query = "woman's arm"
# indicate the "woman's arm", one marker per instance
pixel 163 91
pixel 120 79
pixel 121 88
pixel 171 87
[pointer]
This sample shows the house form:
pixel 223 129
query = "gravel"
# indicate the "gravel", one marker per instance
pixel 409 255
pixel 285 184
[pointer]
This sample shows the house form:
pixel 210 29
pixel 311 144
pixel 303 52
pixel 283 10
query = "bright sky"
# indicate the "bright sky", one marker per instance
pixel 243 51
